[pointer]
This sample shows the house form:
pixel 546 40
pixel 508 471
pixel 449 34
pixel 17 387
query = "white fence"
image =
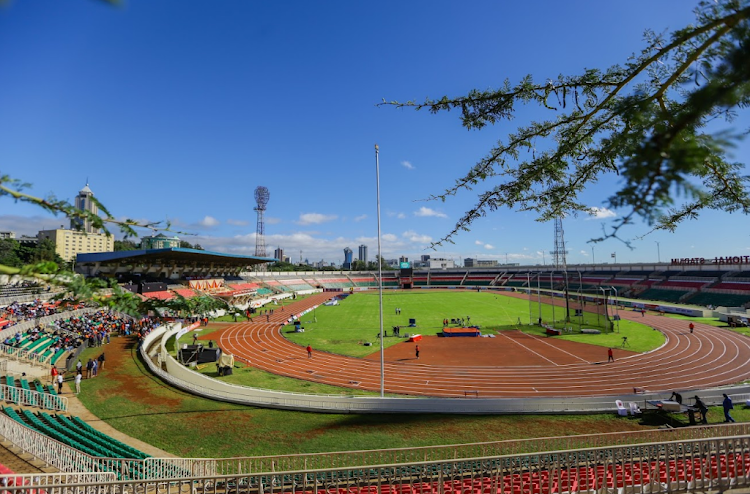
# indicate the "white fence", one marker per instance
pixel 63 457
pixel 669 467
pixel 32 398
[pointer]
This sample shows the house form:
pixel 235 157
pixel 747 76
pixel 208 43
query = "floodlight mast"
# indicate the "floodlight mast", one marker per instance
pixel 261 199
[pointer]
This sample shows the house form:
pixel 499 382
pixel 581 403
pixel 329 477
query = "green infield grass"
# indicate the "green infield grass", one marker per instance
pixel 344 328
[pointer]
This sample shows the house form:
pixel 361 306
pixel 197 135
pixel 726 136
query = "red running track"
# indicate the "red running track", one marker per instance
pixel 709 357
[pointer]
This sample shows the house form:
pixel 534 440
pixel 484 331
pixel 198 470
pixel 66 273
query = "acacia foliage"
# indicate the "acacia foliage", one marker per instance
pixel 646 120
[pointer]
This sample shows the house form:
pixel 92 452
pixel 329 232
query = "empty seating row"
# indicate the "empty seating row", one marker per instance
pixel 76 434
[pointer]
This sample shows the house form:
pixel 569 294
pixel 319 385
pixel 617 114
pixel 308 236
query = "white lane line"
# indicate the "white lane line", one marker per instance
pixel 528 349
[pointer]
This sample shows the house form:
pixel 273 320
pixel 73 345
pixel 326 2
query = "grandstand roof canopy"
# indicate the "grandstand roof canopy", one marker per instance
pixel 168 262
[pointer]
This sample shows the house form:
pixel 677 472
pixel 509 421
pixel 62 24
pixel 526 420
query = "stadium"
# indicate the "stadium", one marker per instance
pixel 39 426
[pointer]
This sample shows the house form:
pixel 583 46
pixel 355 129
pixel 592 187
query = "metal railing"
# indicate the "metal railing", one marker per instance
pixel 32 398
pixel 678 466
pixel 339 459
pixel 33 357
pixel 64 457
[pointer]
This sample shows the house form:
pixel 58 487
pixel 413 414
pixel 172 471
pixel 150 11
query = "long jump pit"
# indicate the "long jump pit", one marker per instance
pixel 507 349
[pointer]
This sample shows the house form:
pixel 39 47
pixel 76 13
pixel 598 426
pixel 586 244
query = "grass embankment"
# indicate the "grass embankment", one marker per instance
pixel 344 328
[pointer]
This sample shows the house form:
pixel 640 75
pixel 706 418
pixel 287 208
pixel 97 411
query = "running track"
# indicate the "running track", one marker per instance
pixel 710 357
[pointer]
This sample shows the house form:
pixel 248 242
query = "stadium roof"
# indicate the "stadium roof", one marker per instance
pixel 186 261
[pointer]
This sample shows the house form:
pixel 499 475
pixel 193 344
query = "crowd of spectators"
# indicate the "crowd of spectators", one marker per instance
pixel 18 312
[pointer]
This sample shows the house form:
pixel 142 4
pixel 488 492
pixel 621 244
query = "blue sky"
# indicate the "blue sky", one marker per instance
pixel 179 109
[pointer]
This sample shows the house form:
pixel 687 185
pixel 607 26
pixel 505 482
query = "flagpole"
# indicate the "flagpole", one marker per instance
pixel 380 275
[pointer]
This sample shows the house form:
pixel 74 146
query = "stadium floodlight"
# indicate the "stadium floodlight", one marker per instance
pixel 380 274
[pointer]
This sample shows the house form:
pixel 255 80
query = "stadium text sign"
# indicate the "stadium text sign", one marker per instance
pixel 715 260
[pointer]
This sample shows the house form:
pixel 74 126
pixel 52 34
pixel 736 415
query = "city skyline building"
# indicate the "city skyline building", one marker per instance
pixel 363 253
pixel 347 258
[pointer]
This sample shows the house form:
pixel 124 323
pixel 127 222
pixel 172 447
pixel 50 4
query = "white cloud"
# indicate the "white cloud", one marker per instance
pixel 237 222
pixel 208 221
pixel 423 211
pixel 407 165
pixel 485 245
pixel 315 218
pixel 584 253
pixel 489 247
pixel 30 225
pixel 389 237
pixel 478 242
pixel 600 213
pixel 413 236
pixel 360 217
pixel 401 216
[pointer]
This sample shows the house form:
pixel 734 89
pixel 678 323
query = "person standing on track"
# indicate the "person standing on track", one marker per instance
pixel 416 351
pixel 692 327
pixel 309 351
pixel 610 356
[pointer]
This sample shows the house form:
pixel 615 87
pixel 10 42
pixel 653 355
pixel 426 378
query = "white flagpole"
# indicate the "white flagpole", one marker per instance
pixel 380 275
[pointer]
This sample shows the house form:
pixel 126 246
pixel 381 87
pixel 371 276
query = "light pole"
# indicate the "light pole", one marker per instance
pixel 593 258
pixel 528 283
pixel 658 252
pixel 380 275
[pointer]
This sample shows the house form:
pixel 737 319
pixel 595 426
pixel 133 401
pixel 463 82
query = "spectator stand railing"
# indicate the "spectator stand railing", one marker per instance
pixel 307 461
pixel 33 398
pixel 63 457
pixel 712 464
pixel 42 480
pixel 21 355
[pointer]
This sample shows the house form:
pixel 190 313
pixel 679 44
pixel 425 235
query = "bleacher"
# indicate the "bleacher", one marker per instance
pixel 695 285
pixel 365 282
pixel 480 278
pixel 74 433
pixel 293 285
pixel 662 295
pixel 334 282
pixel 161 295
pixel 186 292
pixel 742 286
pixel 624 281
pixel 718 299
pixel 446 280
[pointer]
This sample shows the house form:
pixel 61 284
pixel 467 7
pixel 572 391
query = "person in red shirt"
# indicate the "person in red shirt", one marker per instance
pixel 416 351
pixel 309 351
pixel 53 374
pixel 610 356
pixel 692 327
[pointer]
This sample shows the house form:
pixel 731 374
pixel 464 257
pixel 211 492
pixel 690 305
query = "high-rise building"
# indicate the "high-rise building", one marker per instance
pixel 84 202
pixel 363 253
pixel 347 258
pixel 278 253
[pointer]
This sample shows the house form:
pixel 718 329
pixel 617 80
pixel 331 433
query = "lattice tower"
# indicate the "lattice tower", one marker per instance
pixel 261 199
